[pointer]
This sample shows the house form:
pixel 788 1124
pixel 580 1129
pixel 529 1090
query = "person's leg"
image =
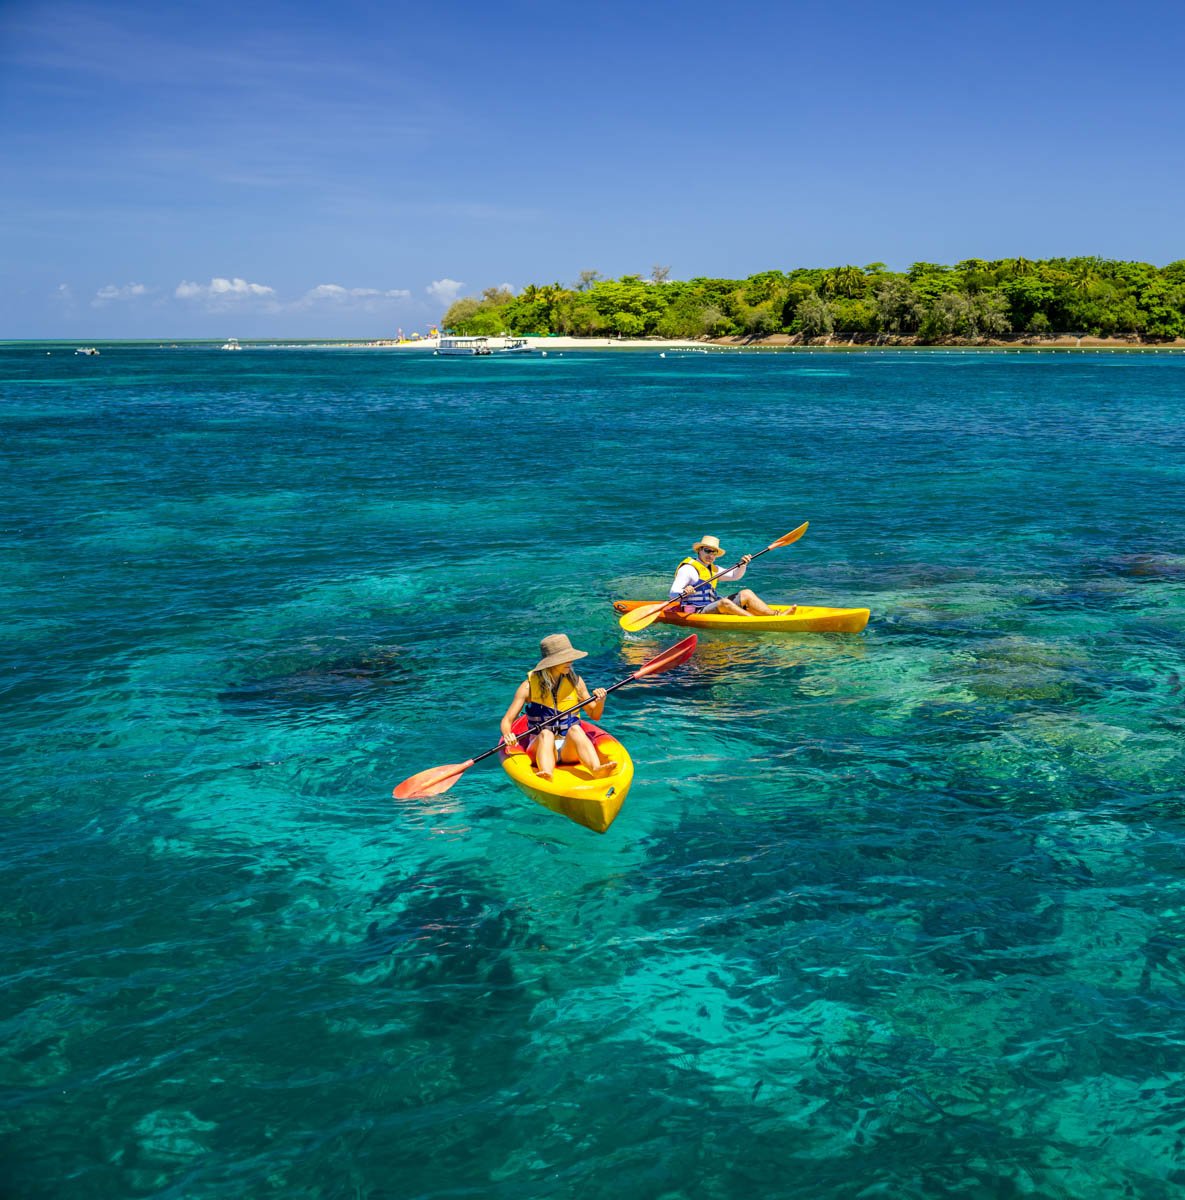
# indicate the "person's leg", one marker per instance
pixel 578 746
pixel 544 749
pixel 726 606
pixel 751 602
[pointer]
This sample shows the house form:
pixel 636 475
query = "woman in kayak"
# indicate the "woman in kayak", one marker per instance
pixel 691 585
pixel 551 687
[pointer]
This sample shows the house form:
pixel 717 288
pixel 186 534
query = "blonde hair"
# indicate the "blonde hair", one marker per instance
pixel 552 679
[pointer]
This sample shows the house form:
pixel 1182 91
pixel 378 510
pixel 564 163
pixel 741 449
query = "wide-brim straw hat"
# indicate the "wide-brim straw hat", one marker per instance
pixel 556 649
pixel 711 543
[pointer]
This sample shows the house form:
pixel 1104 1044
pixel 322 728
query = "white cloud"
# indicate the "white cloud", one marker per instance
pixel 444 291
pixel 334 293
pixel 111 293
pixel 220 291
pixel 64 294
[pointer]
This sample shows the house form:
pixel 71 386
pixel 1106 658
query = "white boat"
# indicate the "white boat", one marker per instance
pixel 231 344
pixel 483 346
pixel 86 350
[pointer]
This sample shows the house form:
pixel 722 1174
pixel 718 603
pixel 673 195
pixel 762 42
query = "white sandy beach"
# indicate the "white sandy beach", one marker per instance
pixel 557 342
pixel 560 343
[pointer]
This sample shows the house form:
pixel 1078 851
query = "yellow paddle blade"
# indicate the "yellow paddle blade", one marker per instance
pixel 639 618
pixel 792 536
pixel 431 782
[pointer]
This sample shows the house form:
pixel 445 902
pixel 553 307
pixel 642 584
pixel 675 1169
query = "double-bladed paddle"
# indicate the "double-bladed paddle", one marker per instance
pixel 639 618
pixel 439 779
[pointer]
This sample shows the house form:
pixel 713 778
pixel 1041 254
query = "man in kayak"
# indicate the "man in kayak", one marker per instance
pixel 691 585
pixel 551 687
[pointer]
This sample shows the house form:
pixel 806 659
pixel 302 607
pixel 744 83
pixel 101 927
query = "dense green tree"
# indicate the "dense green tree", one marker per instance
pixel 1026 295
pixel 898 309
pixel 1175 272
pixel 815 317
pixel 715 322
pixel 627 324
pixel 853 316
pixel 990 314
pixel 459 314
pixel 760 320
pixel 765 288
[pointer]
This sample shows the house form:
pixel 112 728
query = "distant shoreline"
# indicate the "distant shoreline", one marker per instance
pixel 795 342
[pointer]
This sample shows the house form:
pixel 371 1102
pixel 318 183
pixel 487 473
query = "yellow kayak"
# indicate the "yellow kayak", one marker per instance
pixel 805 618
pixel 572 791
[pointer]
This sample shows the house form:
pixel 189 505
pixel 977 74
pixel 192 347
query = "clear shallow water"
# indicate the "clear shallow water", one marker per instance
pixel 897 914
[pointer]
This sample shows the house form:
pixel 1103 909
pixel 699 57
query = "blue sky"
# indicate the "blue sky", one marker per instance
pixel 299 169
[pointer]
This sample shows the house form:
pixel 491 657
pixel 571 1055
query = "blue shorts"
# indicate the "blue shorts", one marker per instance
pixel 693 607
pixel 536 713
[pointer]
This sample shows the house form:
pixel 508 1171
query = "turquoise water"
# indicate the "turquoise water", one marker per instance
pixel 897 914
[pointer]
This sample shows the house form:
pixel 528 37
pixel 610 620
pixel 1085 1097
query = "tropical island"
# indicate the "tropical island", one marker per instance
pixel 976 302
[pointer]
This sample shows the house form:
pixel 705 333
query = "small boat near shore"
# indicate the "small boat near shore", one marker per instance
pixel 787 618
pixel 89 351
pixel 483 346
pixel 230 344
pixel 572 791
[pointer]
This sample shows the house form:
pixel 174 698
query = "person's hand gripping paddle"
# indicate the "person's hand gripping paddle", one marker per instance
pixel 639 618
pixel 439 779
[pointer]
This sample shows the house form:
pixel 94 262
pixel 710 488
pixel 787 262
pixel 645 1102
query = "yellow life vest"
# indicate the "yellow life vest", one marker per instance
pixel 705 592
pixel 543 702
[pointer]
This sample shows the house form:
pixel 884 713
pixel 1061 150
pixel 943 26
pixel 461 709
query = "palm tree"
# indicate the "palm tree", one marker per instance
pixel 1085 275
pixel 851 279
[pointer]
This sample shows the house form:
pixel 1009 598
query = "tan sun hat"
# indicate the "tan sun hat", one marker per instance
pixel 709 541
pixel 556 649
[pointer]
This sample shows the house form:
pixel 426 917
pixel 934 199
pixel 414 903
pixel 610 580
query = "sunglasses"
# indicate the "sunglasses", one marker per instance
pixel 709 550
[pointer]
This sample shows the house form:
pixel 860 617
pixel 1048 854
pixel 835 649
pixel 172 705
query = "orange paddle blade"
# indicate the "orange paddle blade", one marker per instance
pixel 431 782
pixel 639 618
pixel 792 536
pixel 680 652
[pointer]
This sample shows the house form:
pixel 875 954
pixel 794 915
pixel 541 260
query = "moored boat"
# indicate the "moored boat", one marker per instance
pixel 802 618
pixel 483 346
pixel 572 791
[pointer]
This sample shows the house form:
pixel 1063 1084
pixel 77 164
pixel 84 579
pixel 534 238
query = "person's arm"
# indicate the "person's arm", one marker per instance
pixel 685 578
pixel 594 710
pixel 737 572
pixel 516 706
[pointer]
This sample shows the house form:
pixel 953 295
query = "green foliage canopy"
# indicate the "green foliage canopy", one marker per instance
pixel 974 299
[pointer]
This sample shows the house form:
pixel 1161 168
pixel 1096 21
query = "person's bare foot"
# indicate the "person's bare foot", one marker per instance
pixel 606 768
pixel 543 774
